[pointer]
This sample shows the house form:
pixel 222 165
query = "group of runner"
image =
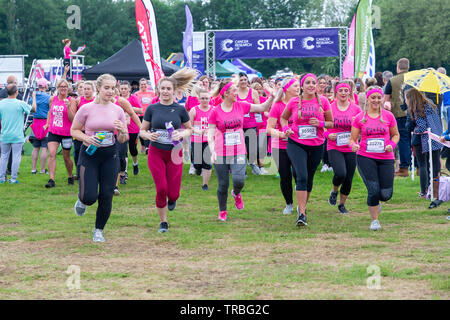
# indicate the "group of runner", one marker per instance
pixel 225 127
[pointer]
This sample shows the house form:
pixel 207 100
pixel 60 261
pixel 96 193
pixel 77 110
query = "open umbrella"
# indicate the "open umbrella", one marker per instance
pixel 428 80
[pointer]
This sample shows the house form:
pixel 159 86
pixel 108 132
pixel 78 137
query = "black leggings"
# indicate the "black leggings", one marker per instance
pixel 122 153
pixel 132 144
pixel 286 171
pixel 344 165
pixel 378 176
pixel 98 175
pixel 251 144
pixel 201 156
pixel 326 156
pixel 305 159
pixel 144 143
pixel 423 160
pixel 76 154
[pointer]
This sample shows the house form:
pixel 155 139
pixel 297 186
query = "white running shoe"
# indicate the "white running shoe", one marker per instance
pixel 98 236
pixel 375 225
pixel 255 169
pixel 80 208
pixel 263 170
pixel 289 208
pixel 192 170
pixel 324 168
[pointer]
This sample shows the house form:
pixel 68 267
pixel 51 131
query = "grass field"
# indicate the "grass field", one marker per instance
pixel 257 254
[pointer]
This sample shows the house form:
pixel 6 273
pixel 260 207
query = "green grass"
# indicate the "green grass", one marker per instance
pixel 257 254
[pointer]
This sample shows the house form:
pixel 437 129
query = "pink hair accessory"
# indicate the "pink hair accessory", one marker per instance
pixel 225 88
pixel 343 85
pixel 372 91
pixel 306 76
pixel 290 83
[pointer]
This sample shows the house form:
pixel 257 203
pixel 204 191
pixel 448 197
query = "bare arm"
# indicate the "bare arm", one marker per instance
pixel 73 108
pixel 76 133
pixel 266 105
pixel 126 106
pixel 211 131
pixel 353 142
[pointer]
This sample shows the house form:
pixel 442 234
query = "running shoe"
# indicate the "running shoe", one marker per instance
pixel 163 227
pixel 2 181
pixel 255 169
pixel 333 198
pixel 191 169
pixel 238 200
pixel 198 172
pixel 263 171
pixel 80 208
pixel 375 225
pixel 33 171
pixel 324 168
pixel 11 181
pixel 301 219
pixel 223 215
pixel 171 205
pixel 123 180
pixel 135 169
pixel 434 204
pixel 70 181
pixel 50 184
pixel 342 209
pixel 44 172
pixel 289 208
pixel 205 187
pixel 98 236
pixel 116 191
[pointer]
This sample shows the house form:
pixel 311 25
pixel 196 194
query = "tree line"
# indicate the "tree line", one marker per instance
pixel 414 29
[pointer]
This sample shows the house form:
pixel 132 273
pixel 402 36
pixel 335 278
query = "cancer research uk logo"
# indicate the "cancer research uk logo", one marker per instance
pixel 229 45
pixel 310 43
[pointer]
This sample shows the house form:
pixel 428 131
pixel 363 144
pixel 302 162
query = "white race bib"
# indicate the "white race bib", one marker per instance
pixel 164 137
pixel 307 132
pixel 146 100
pixel 342 138
pixel 232 138
pixel 375 145
pixel 258 117
pixel 67 143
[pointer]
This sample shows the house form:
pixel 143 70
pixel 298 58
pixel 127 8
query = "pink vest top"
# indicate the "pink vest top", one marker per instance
pixel 59 120
pixel 201 123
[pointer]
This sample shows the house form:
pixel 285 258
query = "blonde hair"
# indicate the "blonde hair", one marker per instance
pixel 301 97
pixel 78 84
pixel 90 83
pixel 61 81
pixel 99 84
pixel 364 120
pixel 220 86
pixel 181 80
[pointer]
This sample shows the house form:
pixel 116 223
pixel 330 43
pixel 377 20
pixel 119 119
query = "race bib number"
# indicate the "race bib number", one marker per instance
pixel 67 143
pixel 342 138
pixel 232 138
pixel 307 132
pixel 258 117
pixel 375 145
pixel 164 137
pixel 108 140
pixel 146 100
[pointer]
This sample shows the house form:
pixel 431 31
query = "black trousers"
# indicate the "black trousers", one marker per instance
pixel 286 171
pixel 344 166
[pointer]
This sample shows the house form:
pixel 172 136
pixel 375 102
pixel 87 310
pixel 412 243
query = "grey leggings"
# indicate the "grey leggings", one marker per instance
pixel 16 157
pixel 222 167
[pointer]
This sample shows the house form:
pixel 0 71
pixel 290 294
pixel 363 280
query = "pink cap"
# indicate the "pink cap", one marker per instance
pixel 42 82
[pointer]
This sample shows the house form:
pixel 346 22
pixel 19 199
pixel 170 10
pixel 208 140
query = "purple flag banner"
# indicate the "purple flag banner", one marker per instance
pixel 285 43
pixel 188 38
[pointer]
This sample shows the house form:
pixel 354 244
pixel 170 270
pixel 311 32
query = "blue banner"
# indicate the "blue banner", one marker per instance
pixel 287 43
pixel 198 60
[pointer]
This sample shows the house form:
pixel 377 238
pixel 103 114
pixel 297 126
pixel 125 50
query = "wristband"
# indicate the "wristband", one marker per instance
pixel 285 128
pixel 321 124
pixel 392 143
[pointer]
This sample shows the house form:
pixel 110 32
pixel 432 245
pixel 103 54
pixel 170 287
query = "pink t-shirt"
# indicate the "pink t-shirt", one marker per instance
pixel 83 101
pixel 342 127
pixel 145 99
pixel 229 135
pixel 261 119
pixel 275 112
pixel 133 127
pixel 375 135
pixel 98 117
pixel 201 123
pixel 304 133
pixel 59 120
pixel 249 118
pixel 67 52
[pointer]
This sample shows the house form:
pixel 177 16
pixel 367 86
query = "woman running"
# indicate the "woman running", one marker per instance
pixel 342 159
pixel 261 125
pixel 291 89
pixel 164 120
pixel 375 151
pixel 58 125
pixel 246 94
pixel 145 99
pixel 200 155
pixel 311 114
pixel 75 105
pixel 226 143
pixel 98 170
pixel 133 127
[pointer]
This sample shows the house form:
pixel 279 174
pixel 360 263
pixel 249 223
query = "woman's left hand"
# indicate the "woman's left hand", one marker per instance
pixel 119 126
pixel 314 122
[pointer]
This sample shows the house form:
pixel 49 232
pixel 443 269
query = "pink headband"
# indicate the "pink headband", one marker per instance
pixel 225 88
pixel 372 91
pixel 290 83
pixel 343 85
pixel 306 76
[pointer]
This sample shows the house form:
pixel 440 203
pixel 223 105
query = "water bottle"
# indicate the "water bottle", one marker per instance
pixel 99 136
pixel 170 129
